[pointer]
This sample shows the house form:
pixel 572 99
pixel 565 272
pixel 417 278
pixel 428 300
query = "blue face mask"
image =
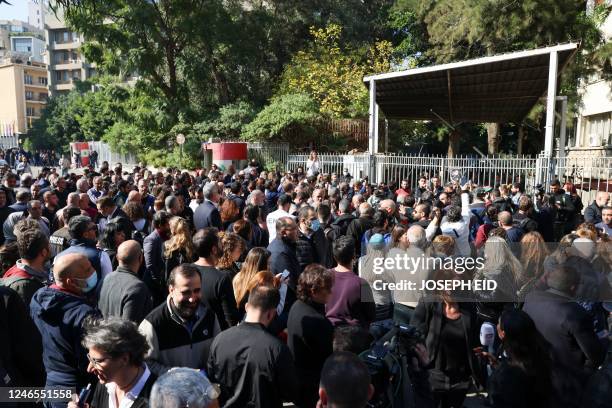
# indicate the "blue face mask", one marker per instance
pixel 90 282
pixel 315 225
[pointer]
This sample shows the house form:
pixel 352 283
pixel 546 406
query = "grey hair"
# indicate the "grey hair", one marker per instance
pixel 81 182
pixel 170 202
pixel 416 236
pixel 253 195
pixel 209 190
pixel 73 199
pixel 31 202
pixel 344 206
pixel 499 256
pixel 115 336
pixel 182 387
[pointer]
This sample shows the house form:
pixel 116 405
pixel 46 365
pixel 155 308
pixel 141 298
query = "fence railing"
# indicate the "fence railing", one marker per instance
pixel 269 152
pixel 106 154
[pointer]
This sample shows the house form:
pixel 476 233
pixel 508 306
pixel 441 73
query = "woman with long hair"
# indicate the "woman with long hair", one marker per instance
pixel 451 332
pixel 233 246
pixel 179 248
pixel 229 213
pixel 313 165
pixel 533 253
pixel 256 260
pixel 112 236
pixel 502 267
pixel 523 377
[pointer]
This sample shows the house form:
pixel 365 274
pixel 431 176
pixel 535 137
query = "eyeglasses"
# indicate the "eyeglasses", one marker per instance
pixel 97 361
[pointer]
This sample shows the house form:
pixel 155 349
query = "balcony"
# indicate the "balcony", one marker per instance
pixel 68 65
pixel 62 85
pixel 68 45
pixel 34 84
pixel 37 100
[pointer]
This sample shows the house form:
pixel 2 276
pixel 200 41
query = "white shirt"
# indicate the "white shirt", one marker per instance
pixel 271 221
pixel 130 396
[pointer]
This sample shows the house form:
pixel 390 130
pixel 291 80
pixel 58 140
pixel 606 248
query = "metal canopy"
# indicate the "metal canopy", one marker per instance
pixel 501 88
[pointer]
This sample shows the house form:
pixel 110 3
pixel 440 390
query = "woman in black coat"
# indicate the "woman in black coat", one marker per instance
pixel 451 333
pixel 310 334
pixel 523 377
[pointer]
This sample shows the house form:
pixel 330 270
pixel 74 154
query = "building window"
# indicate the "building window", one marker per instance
pixel 30 111
pixel 61 75
pixel 597 129
pixel 27 79
pixel 22 45
pixel 42 80
pixel 29 95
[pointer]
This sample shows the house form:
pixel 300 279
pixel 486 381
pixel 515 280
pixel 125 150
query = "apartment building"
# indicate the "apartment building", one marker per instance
pixel 64 60
pixel 24 95
pixel 593 123
pixel 21 37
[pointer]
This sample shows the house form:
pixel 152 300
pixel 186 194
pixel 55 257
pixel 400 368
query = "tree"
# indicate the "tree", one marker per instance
pixel 332 75
pixel 286 115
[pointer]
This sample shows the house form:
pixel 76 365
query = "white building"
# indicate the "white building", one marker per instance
pixel 593 130
pixel 36 13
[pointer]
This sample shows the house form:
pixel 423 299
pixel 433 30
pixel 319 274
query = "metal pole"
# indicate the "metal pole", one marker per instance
pixel 550 104
pixel 562 136
pixel 372 117
pixel 181 162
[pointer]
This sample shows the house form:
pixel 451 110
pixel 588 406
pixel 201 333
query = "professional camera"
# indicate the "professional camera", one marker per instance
pixel 389 362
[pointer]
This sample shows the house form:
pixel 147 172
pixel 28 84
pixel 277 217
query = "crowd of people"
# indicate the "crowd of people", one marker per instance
pixel 250 288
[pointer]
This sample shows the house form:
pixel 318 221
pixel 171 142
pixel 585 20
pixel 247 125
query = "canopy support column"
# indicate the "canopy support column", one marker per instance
pixel 550 104
pixel 373 129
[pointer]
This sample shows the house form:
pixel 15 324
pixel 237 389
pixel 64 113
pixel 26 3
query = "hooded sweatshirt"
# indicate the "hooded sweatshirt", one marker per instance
pixel 59 314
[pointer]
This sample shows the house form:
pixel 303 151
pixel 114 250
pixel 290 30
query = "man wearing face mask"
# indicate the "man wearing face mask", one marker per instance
pixel 29 273
pixel 83 234
pixel 312 245
pixel 58 312
pixel 179 331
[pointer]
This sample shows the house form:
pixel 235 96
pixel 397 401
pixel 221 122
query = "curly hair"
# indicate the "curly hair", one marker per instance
pixel 133 210
pixel 229 242
pixel 180 238
pixel 229 211
pixel 314 279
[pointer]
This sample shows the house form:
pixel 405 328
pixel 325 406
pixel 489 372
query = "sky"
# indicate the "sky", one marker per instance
pixel 18 10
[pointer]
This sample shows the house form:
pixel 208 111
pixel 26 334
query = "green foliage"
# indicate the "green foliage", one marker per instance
pixel 332 74
pixel 283 117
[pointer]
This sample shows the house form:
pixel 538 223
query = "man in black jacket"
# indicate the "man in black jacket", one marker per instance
pixel 344 218
pixel 312 245
pixel 358 227
pixel 283 250
pixel 592 213
pixel 153 246
pixel 207 214
pixel 576 350
pixel 252 367
pixel 217 290
pixel 180 330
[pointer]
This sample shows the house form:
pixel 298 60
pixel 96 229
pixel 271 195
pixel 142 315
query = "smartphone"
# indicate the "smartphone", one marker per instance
pixel 83 395
pixel 285 274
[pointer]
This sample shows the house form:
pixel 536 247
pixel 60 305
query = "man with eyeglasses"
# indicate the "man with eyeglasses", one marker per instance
pixel 58 312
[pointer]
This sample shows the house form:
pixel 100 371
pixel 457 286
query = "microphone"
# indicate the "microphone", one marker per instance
pixel 487 334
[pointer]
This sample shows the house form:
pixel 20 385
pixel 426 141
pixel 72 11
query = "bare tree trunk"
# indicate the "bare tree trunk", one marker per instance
pixel 521 138
pixel 453 143
pixel 493 138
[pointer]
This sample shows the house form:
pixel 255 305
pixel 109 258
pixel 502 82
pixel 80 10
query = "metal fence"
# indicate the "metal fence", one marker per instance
pixel 106 154
pixel 269 153
pixel 588 174
pixel 358 165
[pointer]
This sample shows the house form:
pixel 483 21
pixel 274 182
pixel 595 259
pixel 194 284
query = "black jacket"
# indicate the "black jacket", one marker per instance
pixel 283 256
pixel 592 213
pixel 357 228
pixel 252 367
pixel 511 387
pixel 207 215
pixel 310 339
pixel 342 223
pixel 568 328
pixel 428 317
pixel 154 266
pixel 314 249
pixel 99 397
pixel 20 344
pixel 218 293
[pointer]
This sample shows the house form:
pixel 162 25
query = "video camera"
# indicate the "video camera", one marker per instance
pixel 389 363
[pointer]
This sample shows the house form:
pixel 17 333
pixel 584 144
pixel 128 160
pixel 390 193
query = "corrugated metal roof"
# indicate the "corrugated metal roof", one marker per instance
pixel 502 88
